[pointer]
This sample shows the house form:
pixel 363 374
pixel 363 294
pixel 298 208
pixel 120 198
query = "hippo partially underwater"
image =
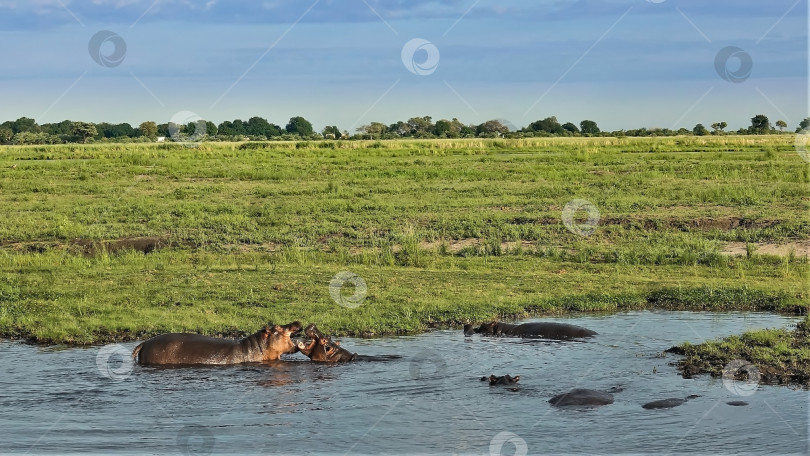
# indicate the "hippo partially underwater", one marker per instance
pixel 501 380
pixel 268 344
pixel 321 348
pixel 582 397
pixel 547 330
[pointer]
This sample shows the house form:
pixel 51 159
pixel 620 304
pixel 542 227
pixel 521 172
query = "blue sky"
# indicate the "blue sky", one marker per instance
pixel 622 63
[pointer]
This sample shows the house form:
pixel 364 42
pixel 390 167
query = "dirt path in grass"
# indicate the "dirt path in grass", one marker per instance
pixel 799 248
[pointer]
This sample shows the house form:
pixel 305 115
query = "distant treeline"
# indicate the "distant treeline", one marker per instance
pixel 26 131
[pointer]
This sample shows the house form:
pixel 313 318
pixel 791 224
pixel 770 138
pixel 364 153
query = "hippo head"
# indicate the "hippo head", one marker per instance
pixel 322 348
pixel 275 340
pixel 502 380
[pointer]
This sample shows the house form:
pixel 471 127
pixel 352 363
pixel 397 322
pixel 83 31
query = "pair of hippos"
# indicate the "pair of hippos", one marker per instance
pixel 268 344
pixel 272 341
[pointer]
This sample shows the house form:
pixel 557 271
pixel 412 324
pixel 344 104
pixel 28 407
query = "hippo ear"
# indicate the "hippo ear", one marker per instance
pixel 277 329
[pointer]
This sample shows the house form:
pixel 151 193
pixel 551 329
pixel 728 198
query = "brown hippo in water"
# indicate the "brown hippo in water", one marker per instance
pixel 321 348
pixel 268 344
pixel 502 380
pixel 668 403
pixel 584 397
pixel 557 331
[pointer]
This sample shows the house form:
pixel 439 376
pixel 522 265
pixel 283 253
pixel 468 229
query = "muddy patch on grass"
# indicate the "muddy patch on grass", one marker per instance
pixel 144 244
pixel 797 248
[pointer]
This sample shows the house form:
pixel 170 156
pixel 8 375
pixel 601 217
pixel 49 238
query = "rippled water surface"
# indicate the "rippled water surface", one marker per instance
pixel 56 400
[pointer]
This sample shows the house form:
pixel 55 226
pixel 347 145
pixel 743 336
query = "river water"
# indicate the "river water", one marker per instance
pixel 86 400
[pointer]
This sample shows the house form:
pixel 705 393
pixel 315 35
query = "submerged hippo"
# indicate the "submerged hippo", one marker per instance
pixel 584 397
pixel 558 331
pixel 668 403
pixel 268 344
pixel 321 348
pixel 502 380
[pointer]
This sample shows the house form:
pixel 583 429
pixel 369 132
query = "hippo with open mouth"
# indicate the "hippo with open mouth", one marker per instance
pixel 321 348
pixel 547 330
pixel 268 344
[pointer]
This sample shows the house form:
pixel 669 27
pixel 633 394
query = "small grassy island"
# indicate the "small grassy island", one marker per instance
pixel 781 356
pixel 112 242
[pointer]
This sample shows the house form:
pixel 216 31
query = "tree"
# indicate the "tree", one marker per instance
pixel 148 129
pixel 700 130
pixel 589 127
pixel 374 130
pixel 805 123
pixel 6 134
pixel 719 127
pixel 332 132
pixel 210 128
pixel 781 124
pixel 548 125
pixel 300 126
pixel 760 125
pixel 420 127
pixel 442 128
pixel 24 124
pixel 84 130
pixel 568 126
pixel 492 128
pixel 258 126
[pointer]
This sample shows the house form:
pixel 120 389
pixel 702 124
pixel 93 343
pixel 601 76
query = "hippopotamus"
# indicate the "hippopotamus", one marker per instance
pixel 502 380
pixel 268 344
pixel 737 403
pixel 557 331
pixel 668 403
pixel 321 348
pixel 584 397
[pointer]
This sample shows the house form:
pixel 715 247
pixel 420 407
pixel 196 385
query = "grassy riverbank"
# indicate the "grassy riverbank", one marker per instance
pixel 113 242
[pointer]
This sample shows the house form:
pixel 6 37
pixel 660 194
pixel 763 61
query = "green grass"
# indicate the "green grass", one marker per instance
pixel 442 231
pixel 781 356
